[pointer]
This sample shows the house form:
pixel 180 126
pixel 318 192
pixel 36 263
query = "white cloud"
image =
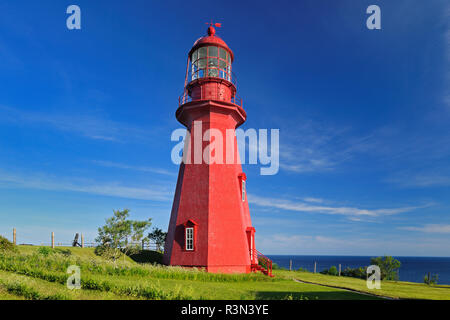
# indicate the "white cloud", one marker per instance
pixel 423 179
pixel 314 200
pixel 430 228
pixel 136 168
pixel 87 125
pixel 317 147
pixel 351 212
pixel 113 189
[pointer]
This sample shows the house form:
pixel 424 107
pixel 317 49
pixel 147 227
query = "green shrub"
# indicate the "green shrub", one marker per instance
pixel 430 280
pixel 45 251
pixel 360 273
pixel 147 256
pixel 6 245
pixel 108 252
pixel 332 271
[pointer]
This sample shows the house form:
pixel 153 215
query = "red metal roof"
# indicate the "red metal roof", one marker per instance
pixel 211 39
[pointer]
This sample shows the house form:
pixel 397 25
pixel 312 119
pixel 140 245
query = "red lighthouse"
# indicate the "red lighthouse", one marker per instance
pixel 210 224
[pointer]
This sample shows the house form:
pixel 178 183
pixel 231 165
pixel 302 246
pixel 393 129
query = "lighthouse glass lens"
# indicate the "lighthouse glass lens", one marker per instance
pixel 212 62
pixel 212 51
pixel 222 64
pixel 223 54
pixel 202 52
pixel 213 73
pixel 194 55
pixel 202 63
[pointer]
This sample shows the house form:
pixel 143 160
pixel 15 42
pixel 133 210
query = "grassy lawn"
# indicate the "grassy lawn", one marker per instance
pixel 279 289
pixel 393 289
pixel 29 274
pixel 15 286
pixel 83 253
pixel 32 274
pixel 5 295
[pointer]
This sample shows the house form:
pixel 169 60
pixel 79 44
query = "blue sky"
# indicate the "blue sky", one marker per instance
pixel 86 117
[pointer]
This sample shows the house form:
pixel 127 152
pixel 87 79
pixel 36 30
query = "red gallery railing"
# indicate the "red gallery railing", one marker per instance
pixel 264 264
pixel 185 98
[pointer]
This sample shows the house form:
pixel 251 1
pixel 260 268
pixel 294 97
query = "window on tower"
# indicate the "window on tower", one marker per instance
pixel 211 61
pixel 243 180
pixel 190 229
pixel 190 239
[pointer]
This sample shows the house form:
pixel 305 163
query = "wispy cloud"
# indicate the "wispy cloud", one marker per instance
pixel 352 213
pixel 135 168
pixel 112 189
pixel 308 147
pixel 430 228
pixel 424 179
pixel 87 125
pixel 317 147
pixel 314 200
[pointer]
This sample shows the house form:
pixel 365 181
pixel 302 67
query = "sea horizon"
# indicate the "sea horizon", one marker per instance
pixel 412 269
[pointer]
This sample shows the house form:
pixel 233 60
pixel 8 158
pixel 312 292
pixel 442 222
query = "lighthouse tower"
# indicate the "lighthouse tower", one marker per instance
pixel 210 224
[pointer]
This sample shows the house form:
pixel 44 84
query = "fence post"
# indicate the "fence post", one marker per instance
pixel 82 241
pixel 53 240
pixel 315 265
pixel 14 236
pixel 339 269
pixel 290 265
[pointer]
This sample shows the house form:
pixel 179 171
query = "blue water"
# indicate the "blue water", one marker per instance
pixel 412 269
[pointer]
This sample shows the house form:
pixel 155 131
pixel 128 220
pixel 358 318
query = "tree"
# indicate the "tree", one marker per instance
pixel 159 237
pixel 388 267
pixel 428 279
pixel 114 236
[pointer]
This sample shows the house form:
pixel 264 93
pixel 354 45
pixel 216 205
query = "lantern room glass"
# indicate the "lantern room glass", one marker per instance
pixel 211 61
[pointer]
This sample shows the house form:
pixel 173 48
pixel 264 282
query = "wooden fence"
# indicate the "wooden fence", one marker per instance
pixel 82 243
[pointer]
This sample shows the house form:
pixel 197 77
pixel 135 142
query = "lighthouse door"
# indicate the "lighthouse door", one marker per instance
pixel 251 244
pixel 252 251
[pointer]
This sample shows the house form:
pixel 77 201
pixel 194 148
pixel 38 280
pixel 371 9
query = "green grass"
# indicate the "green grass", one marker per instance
pixel 34 273
pixel 84 253
pixel 393 289
pixel 19 286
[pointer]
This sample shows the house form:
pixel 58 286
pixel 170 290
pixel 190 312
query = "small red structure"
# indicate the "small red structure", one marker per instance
pixel 210 224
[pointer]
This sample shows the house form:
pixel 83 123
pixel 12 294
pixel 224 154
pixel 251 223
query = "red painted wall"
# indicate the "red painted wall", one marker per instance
pixel 211 196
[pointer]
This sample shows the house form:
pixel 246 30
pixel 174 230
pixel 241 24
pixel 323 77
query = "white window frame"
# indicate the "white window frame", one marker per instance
pixel 243 190
pixel 189 239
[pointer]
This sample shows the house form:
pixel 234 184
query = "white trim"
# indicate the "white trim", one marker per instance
pixel 189 239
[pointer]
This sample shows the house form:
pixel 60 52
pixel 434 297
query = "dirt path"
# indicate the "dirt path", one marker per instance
pixel 346 289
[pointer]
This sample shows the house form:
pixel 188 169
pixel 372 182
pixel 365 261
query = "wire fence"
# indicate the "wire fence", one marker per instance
pixel 77 241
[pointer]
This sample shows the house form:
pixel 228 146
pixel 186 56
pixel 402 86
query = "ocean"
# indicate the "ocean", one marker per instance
pixel 413 269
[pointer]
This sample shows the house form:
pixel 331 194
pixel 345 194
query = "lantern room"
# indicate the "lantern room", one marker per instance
pixel 209 71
